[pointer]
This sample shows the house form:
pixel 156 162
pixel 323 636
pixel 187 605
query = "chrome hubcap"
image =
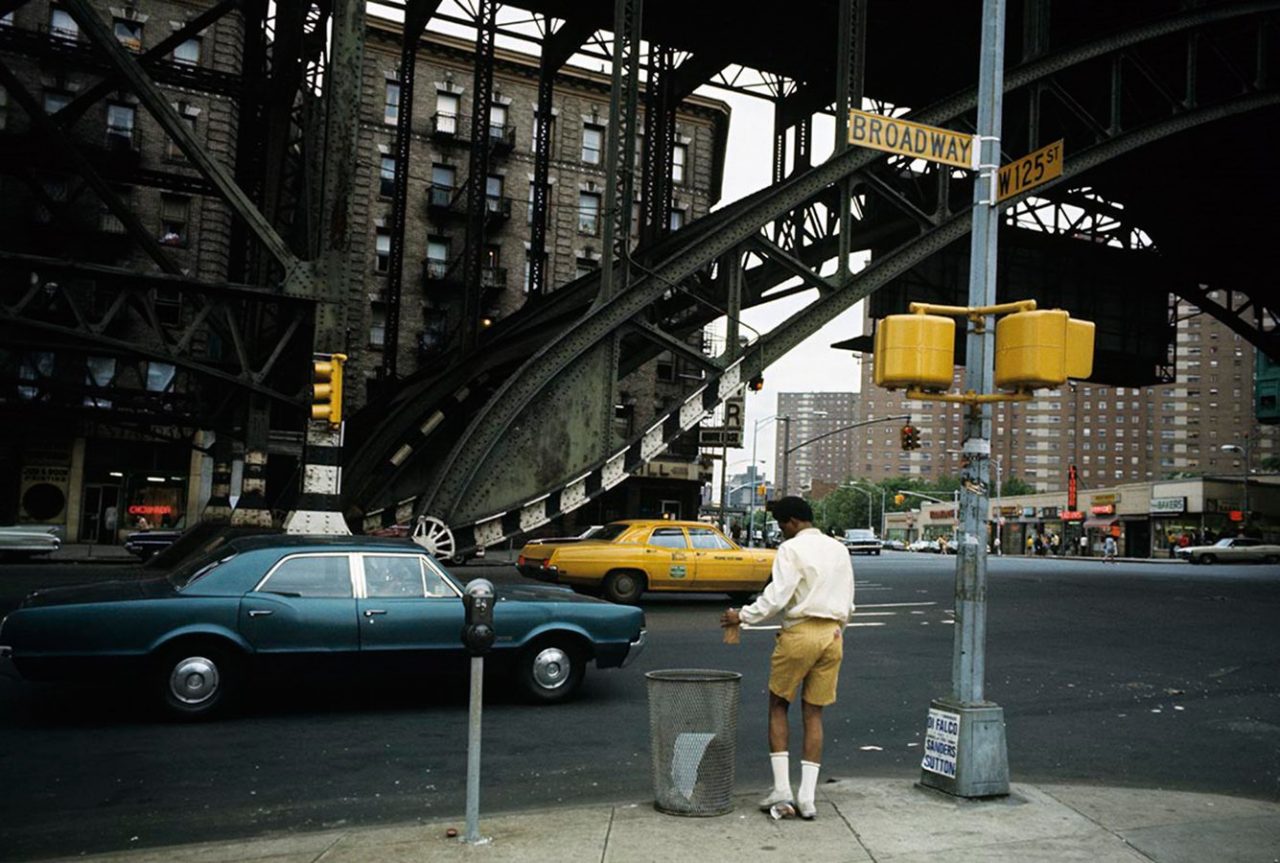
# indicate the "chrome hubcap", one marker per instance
pixel 551 667
pixel 194 680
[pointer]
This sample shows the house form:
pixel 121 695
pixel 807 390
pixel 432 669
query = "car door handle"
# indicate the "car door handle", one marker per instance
pixel 260 612
pixel 370 612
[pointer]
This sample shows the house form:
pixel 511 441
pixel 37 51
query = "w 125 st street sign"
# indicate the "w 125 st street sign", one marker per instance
pixel 1030 171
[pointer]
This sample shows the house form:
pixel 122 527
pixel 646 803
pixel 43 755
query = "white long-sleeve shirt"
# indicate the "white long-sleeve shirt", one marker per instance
pixel 812 577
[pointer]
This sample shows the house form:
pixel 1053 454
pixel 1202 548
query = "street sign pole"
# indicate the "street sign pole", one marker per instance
pixel 965 749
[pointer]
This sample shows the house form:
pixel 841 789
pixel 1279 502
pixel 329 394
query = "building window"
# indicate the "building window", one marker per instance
pixel 175 217
pixel 588 213
pixel 188 114
pixel 497 121
pixel 528 270
pixel 447 113
pixel 382 251
pixel 444 179
pixel 679 158
pixel 437 257
pixel 493 193
pixel 592 144
pixel 120 119
pixel 188 53
pixel 6 20
pixel 391 104
pixel 129 34
pixel 635 221
pixel 4 107
pixel 677 219
pixel 62 25
pixel 387 176
pixel 377 326
pixel 585 266
pixel 55 101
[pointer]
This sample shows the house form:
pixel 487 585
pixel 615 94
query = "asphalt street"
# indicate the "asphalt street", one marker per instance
pixel 1158 675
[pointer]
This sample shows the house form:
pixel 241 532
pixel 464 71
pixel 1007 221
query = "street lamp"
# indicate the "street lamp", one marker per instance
pixel 1244 451
pixel 755 439
pixel 870 504
pixel 882 499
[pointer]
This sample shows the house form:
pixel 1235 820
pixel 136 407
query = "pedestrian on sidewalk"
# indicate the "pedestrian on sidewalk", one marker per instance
pixel 1109 549
pixel 812 586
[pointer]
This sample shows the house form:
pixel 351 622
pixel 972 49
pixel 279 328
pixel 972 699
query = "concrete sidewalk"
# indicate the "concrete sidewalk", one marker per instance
pixel 858 820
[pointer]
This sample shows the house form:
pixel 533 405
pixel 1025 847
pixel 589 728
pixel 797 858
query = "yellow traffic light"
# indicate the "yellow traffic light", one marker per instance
pixel 916 351
pixel 762 489
pixel 1042 348
pixel 898 499
pixel 326 402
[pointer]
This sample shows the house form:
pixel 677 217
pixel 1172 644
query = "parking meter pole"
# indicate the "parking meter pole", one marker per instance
pixel 965 748
pixel 472 836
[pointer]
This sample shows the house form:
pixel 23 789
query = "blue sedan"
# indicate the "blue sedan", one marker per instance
pixel 296 604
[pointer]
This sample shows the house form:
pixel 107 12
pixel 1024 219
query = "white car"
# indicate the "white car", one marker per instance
pixel 23 540
pixel 1235 549
pixel 861 541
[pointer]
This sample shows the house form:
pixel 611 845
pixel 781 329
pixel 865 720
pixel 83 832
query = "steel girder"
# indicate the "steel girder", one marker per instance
pixel 518 411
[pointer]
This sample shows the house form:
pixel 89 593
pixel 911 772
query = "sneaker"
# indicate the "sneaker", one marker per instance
pixel 775 796
pixel 807 811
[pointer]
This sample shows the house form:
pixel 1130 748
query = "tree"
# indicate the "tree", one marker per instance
pixel 1013 486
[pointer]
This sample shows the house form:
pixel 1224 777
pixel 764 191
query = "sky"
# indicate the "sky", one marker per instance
pixel 812 366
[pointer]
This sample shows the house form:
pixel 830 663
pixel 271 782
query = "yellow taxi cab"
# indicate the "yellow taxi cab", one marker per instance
pixel 625 558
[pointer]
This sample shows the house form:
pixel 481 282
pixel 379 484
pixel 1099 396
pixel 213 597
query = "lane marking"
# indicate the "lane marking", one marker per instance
pixel 880 613
pixel 896 604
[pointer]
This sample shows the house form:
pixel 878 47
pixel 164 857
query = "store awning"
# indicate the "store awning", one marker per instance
pixel 1103 521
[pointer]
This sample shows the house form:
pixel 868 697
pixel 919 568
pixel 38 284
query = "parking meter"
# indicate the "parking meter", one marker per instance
pixel 477 628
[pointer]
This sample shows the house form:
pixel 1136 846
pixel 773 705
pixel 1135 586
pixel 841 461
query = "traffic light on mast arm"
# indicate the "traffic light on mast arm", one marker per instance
pixel 326 400
pixel 756 384
pixel 910 437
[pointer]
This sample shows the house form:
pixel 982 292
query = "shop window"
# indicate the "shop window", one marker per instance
pixel 188 53
pixel 175 218
pixel 592 144
pixel 129 34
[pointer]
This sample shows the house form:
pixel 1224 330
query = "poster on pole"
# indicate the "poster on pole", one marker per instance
pixel 941 740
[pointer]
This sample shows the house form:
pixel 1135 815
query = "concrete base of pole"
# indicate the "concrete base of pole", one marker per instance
pixel 969 740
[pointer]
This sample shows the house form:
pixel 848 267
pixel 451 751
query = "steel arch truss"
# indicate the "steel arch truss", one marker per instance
pixel 910 208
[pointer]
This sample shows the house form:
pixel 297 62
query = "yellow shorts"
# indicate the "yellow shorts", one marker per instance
pixel 808 652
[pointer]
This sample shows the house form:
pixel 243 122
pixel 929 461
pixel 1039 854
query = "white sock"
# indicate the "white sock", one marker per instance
pixel 781 772
pixel 808 781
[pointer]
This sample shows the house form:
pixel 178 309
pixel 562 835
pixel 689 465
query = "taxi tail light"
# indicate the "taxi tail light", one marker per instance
pixel 520 560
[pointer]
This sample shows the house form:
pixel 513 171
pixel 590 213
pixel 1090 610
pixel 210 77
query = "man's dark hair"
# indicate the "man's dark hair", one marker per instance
pixel 792 507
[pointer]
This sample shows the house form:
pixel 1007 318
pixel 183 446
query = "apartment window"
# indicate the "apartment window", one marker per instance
pixel 382 251
pixel 666 370
pixel 129 34
pixel 679 158
pixel 377 326
pixel 497 121
pixel 120 120
pixel 635 220
pixel 592 144
pixel 391 104
pixel 585 266
pixel 175 218
pixel 188 114
pixel 677 219
pixel 528 220
pixel 447 113
pixel 493 193
pixel 188 53
pixel 551 133
pixel 437 257
pixel 55 101
pixel 528 270
pixel 387 176
pixel 6 20
pixel 61 24
pixel 588 213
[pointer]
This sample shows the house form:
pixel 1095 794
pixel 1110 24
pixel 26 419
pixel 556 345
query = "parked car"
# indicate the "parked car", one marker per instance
pixel 1236 549
pixel 895 545
pixel 146 543
pixel 627 558
pixel 862 541
pixel 928 545
pixel 24 540
pixel 304 603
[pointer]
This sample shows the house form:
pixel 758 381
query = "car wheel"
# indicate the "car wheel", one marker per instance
pixel 624 587
pixel 550 670
pixel 1208 558
pixel 196 679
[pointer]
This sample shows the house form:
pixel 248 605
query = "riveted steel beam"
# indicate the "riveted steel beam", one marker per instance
pixel 478 173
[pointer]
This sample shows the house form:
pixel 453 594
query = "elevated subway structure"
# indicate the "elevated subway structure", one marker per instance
pixel 1145 98
pixel 1113 98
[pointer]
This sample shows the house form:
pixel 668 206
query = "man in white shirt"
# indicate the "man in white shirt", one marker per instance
pixel 812 586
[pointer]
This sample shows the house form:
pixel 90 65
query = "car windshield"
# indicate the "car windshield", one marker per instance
pixel 198 567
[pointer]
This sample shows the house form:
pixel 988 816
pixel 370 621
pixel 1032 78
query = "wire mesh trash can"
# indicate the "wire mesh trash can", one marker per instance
pixel 693 733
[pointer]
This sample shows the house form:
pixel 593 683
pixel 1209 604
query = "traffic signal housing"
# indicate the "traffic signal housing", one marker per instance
pixel 916 351
pixel 326 389
pixel 913 437
pixel 1042 348
pixel 756 384
pixel 899 499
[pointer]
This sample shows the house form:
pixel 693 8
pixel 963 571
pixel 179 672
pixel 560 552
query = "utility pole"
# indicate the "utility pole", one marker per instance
pixel 973 760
